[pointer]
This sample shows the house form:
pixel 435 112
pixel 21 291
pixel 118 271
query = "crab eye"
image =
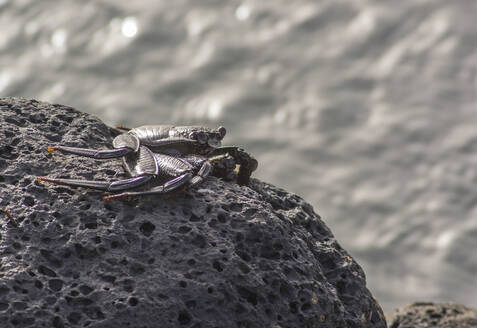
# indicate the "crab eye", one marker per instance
pixel 201 137
pixel 222 131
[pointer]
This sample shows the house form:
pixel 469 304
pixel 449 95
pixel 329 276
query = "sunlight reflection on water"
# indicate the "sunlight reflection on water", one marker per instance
pixel 129 27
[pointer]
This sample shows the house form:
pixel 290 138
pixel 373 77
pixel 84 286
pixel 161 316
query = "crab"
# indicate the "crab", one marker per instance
pixel 164 158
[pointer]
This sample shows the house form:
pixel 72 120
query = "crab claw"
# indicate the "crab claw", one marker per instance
pixel 222 131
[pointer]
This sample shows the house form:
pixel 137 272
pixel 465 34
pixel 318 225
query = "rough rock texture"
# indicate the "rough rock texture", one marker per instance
pixel 219 255
pixel 423 315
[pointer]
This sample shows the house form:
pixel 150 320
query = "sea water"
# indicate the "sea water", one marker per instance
pixel 366 108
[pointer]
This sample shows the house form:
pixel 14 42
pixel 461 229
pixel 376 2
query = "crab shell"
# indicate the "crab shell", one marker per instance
pixel 173 140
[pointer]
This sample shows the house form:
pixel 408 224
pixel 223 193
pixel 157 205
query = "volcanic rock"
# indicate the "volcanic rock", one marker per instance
pixel 427 314
pixel 218 255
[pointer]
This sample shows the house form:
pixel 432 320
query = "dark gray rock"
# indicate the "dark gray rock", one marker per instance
pixel 220 255
pixel 426 314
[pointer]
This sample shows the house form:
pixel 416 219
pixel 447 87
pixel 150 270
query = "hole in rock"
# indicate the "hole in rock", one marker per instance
pixel 57 323
pixel 55 284
pixel 147 228
pixel 194 218
pixel 92 225
pixel 183 318
pixel 218 266
pixel 184 229
pixel 74 317
pixel 247 294
pixel 133 301
pixel 191 304
pixel 305 307
pixel 38 284
pixel 29 201
pixel 85 290
pixel 293 307
pixel 137 269
pixel 46 271
pixel 222 217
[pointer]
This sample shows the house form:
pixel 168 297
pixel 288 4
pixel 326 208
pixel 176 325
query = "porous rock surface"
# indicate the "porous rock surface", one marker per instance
pixel 428 314
pixel 219 255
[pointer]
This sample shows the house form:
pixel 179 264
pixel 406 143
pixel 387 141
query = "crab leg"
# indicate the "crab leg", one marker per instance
pixel 98 154
pixel 11 219
pixel 101 185
pixel 202 174
pixel 122 127
pixel 162 189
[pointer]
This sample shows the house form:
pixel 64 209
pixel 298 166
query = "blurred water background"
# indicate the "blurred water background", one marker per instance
pixel 366 108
